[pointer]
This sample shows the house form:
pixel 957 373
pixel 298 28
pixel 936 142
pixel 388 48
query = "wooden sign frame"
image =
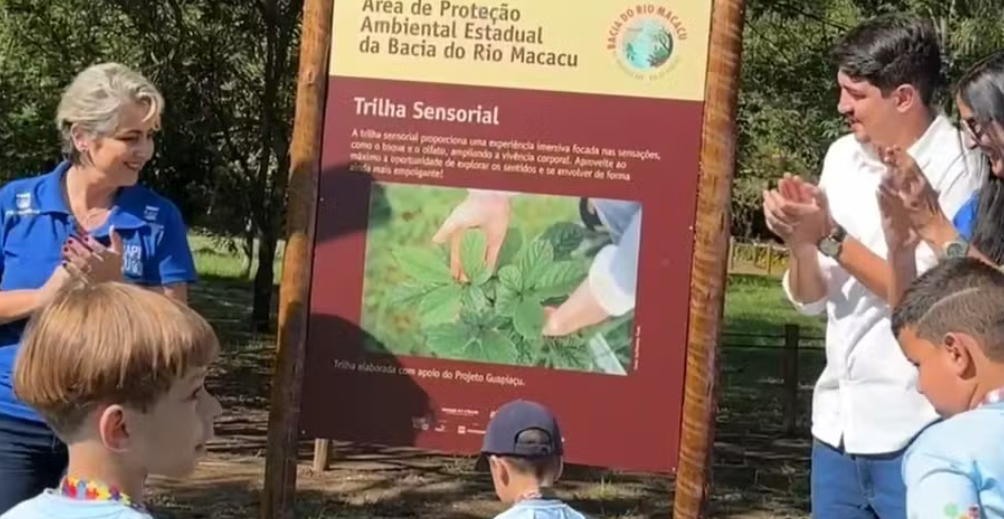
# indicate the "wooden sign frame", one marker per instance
pixel 708 271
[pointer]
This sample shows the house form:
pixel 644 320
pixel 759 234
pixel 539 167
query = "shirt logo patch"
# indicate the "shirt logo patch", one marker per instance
pixel 150 213
pixel 23 201
pixel 132 260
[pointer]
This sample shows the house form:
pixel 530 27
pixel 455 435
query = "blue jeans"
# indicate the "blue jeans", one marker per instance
pixel 849 486
pixel 31 459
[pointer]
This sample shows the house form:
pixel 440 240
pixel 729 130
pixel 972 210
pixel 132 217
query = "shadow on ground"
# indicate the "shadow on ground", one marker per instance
pixel 760 470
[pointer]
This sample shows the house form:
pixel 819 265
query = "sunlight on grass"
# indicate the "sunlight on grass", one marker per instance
pixel 214 258
pixel 756 304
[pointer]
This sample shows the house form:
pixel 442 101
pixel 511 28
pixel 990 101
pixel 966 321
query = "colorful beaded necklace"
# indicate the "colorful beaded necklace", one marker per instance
pixel 89 490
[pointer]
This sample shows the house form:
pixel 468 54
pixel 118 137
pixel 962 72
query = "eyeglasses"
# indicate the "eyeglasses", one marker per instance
pixel 974 129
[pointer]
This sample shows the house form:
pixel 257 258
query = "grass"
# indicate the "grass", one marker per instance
pixel 760 468
pixel 757 305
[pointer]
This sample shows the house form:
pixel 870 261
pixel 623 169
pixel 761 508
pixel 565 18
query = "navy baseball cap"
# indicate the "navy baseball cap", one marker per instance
pixel 512 419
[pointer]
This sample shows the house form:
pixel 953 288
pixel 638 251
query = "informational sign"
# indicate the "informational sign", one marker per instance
pixel 506 210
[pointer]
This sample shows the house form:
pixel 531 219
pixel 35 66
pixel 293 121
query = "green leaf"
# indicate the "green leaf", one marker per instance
pixel 448 340
pixel 440 306
pixel 510 278
pixel 497 321
pixel 474 299
pixel 481 278
pixel 569 356
pixel 533 259
pixel 565 238
pixel 529 319
pixel 490 287
pixel 470 317
pixel 560 279
pixel 507 301
pixel 423 265
pixel 408 293
pixel 495 347
pixel 472 257
pixel 510 247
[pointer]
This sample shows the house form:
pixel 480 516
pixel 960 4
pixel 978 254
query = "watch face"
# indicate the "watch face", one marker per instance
pixel 956 250
pixel 829 247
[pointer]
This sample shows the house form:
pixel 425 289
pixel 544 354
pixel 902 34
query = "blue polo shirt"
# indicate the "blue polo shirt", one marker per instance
pixel 965 220
pixel 36 224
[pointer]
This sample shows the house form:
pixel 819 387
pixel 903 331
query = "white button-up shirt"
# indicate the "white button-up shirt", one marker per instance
pixel 867 395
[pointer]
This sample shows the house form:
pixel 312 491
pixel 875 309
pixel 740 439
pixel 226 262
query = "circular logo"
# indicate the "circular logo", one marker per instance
pixel 644 40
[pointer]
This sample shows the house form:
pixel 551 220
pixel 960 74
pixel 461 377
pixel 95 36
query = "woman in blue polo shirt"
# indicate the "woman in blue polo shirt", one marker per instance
pixel 981 107
pixel 87 217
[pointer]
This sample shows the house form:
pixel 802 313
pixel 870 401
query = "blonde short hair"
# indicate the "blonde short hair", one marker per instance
pixel 95 98
pixel 107 343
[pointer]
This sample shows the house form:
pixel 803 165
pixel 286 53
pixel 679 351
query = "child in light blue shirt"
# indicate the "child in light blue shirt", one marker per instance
pixel 523 451
pixel 950 324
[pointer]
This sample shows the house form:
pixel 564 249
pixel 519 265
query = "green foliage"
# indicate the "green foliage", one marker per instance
pixel 497 314
pixel 787 104
pixel 227 71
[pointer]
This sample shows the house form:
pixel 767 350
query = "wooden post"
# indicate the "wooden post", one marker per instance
pixel 770 259
pixel 710 261
pixel 279 489
pixel 732 253
pixel 322 455
pixel 792 337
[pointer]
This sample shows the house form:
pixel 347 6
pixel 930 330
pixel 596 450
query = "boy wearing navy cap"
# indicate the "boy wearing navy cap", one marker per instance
pixel 523 450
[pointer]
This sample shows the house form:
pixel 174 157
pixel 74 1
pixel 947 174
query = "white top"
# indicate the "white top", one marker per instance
pixel 867 395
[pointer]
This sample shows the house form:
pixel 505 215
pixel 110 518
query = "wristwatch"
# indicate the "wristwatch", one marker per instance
pixel 833 243
pixel 958 248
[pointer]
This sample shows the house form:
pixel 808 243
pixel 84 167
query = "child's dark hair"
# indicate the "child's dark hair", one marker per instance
pixel 959 295
pixel 539 467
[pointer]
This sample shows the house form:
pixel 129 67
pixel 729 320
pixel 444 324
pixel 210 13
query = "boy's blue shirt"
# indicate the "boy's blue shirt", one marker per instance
pixel 539 509
pixel 955 468
pixel 51 505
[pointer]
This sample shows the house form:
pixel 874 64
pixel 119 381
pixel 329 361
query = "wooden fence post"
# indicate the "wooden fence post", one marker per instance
pixel 732 254
pixel 322 455
pixel 792 337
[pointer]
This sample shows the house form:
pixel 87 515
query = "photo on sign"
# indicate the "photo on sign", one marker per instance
pixel 503 278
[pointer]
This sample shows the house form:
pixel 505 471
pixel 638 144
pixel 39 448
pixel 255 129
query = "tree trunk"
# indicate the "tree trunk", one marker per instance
pixel 248 248
pixel 264 281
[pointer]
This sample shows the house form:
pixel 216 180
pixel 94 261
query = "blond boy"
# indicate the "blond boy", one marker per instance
pixel 118 372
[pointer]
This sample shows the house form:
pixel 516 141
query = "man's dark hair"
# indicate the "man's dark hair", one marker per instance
pixel 961 295
pixel 893 50
pixel 539 467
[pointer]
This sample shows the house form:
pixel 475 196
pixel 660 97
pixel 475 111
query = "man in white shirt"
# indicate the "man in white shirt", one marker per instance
pixel 866 407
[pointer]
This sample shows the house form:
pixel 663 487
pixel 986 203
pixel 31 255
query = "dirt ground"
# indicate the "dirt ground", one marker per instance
pixel 758 472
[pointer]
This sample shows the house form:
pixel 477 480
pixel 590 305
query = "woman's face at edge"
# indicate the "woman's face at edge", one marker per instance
pixel 988 138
